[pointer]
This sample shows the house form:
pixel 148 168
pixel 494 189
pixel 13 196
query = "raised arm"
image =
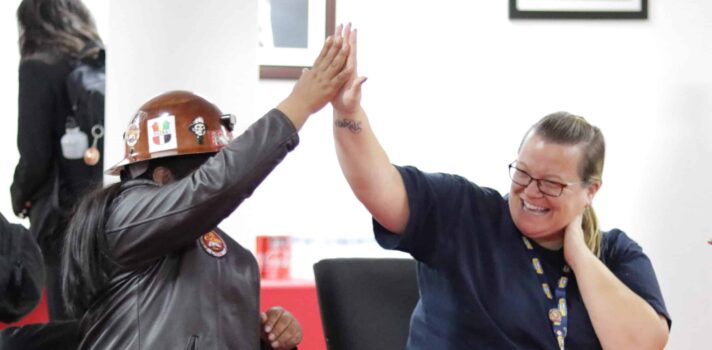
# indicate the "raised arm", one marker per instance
pixel 365 164
pixel 144 220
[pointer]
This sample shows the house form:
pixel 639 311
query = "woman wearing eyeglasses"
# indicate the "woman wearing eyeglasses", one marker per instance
pixel 527 270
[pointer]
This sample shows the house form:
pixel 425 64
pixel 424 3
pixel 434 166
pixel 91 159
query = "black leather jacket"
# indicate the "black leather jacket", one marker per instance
pixel 173 290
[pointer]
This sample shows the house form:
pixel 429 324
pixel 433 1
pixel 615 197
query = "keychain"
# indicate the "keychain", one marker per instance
pixel 92 155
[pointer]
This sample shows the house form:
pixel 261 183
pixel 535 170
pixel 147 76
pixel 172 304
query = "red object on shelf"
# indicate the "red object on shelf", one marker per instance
pixel 38 315
pixel 274 255
pixel 298 297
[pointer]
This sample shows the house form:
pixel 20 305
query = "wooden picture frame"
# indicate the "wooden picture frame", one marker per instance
pixel 297 29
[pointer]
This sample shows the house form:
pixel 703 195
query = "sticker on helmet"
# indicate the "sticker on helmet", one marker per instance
pixel 218 138
pixel 163 133
pixel 213 244
pixel 197 127
pixel 133 131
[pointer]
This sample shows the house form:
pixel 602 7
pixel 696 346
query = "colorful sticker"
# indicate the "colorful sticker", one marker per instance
pixel 213 244
pixel 162 131
pixel 133 130
pixel 218 138
pixel 197 127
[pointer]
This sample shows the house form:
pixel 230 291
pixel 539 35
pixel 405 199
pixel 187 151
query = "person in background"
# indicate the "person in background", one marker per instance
pixel 148 268
pixel 53 35
pixel 530 269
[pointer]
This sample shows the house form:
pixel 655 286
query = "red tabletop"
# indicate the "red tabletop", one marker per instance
pixel 298 297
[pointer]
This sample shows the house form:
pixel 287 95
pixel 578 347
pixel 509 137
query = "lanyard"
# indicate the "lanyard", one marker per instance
pixel 558 314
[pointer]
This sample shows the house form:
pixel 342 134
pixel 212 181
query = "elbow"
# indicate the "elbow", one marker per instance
pixel 661 337
pixel 656 339
pixel 653 338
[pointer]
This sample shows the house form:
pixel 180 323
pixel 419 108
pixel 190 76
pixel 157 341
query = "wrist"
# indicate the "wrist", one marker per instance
pixel 348 114
pixel 295 110
pixel 580 258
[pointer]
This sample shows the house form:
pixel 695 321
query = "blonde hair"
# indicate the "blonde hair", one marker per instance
pixel 569 129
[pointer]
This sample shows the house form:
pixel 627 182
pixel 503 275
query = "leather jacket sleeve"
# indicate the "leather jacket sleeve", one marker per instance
pixel 147 221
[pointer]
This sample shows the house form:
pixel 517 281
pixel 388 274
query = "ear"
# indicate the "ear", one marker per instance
pixel 591 190
pixel 162 175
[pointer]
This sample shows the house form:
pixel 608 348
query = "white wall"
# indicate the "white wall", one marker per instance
pixel 451 88
pixel 454 87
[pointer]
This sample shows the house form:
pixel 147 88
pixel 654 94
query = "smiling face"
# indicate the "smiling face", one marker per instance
pixel 541 217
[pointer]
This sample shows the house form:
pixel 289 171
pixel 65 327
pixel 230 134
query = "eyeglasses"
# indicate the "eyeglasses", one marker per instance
pixel 547 187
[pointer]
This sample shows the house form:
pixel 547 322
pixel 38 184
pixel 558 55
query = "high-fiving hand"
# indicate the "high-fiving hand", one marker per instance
pixel 318 85
pixel 348 98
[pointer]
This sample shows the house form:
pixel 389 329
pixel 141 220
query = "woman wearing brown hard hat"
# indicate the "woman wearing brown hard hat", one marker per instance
pixel 148 268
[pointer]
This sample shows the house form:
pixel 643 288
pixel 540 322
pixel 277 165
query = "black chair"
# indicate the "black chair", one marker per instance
pixel 366 303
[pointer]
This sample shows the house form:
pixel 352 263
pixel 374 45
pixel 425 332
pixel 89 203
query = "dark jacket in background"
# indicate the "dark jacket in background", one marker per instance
pixel 43 176
pixel 43 109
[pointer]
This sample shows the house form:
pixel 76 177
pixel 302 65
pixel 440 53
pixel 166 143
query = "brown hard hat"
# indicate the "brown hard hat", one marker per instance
pixel 174 123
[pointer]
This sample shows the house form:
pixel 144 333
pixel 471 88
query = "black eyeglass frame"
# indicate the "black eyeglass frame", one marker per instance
pixel 561 185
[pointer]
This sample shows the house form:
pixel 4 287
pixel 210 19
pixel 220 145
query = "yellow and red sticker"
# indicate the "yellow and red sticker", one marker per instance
pixel 213 244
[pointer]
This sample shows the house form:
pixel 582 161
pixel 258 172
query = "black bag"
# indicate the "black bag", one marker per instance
pixel 58 335
pixel 21 271
pixel 86 85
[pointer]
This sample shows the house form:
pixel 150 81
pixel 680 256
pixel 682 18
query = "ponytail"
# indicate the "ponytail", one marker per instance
pixel 591 231
pixel 86 261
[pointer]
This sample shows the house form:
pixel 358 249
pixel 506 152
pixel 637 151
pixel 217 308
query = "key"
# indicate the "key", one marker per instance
pixel 92 155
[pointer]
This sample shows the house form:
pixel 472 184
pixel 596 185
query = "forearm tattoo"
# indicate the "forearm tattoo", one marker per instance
pixel 352 125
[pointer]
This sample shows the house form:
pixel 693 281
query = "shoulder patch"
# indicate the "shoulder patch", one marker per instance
pixel 213 244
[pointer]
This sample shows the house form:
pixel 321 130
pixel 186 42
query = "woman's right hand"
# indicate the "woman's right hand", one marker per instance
pixel 348 100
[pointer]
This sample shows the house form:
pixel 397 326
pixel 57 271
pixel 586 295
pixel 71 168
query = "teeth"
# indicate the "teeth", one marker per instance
pixel 532 207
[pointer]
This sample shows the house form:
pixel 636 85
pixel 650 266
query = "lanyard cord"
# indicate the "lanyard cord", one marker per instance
pixel 558 314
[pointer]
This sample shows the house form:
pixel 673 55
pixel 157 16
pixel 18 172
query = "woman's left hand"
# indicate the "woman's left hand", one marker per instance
pixel 280 328
pixel 574 243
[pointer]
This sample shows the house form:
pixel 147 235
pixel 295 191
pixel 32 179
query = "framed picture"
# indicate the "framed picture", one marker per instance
pixel 291 35
pixel 579 9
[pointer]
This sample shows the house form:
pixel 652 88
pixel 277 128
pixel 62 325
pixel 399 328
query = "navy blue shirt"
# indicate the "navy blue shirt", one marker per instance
pixel 478 289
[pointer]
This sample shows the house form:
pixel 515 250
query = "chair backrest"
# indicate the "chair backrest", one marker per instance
pixel 366 303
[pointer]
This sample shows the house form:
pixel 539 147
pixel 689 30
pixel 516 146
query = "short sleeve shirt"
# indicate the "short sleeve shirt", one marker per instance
pixel 477 285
